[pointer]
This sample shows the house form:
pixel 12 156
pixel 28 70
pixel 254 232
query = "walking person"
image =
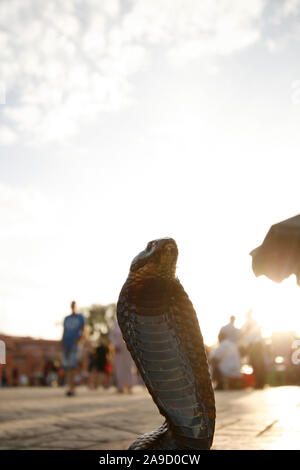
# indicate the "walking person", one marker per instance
pixel 226 362
pixel 230 330
pixel 123 362
pixel 97 366
pixel 252 338
pixel 73 333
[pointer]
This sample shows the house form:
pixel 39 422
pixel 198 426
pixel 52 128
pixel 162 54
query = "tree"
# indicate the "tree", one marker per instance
pixel 100 319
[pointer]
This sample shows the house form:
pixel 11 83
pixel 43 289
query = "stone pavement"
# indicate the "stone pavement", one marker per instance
pixel 43 418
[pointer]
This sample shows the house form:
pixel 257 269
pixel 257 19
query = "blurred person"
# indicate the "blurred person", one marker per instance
pixel 52 378
pixel 97 366
pixel 231 331
pixel 46 372
pixel 226 362
pixel 252 339
pixel 4 378
pixel 15 377
pixel 61 376
pixel 109 365
pixel 92 368
pixel 102 355
pixel 123 362
pixel 72 335
pixel 23 380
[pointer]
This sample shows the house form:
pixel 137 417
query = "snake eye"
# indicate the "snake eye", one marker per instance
pixel 151 245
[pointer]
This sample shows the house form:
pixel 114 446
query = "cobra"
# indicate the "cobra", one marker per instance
pixel 162 333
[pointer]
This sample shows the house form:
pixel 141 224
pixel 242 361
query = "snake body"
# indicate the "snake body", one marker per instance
pixel 162 333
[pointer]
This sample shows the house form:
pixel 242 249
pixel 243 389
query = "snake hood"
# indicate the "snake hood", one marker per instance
pixel 162 333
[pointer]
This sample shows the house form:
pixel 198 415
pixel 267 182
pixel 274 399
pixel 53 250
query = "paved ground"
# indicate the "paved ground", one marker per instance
pixel 43 418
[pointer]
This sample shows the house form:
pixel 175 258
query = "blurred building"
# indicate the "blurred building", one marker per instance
pixel 29 358
pixel 282 343
pixel 282 352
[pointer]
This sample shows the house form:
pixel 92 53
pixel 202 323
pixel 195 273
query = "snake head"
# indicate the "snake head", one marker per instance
pixel 157 260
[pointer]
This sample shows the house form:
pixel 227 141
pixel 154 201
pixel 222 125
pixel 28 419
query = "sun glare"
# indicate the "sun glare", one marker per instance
pixel 277 306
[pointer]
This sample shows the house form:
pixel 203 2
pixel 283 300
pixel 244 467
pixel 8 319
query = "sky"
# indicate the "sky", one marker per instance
pixel 122 121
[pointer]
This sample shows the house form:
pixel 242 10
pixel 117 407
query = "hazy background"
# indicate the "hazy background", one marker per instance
pixel 127 120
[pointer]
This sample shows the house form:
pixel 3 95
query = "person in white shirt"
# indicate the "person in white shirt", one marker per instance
pixel 225 361
pixel 230 331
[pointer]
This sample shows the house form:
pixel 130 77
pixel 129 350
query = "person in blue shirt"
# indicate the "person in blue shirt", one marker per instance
pixel 73 332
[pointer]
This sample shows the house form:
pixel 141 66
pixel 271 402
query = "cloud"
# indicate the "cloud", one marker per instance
pixel 23 214
pixel 7 136
pixel 192 29
pixel 285 14
pixel 69 65
pixel 282 32
pixel 290 7
pixel 63 63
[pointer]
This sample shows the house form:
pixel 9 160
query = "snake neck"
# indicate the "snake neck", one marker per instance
pixel 148 291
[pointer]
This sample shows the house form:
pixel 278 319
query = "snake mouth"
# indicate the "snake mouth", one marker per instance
pixel 160 252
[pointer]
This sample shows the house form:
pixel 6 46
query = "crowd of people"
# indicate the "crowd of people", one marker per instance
pixel 235 345
pixel 108 362
pixel 104 359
